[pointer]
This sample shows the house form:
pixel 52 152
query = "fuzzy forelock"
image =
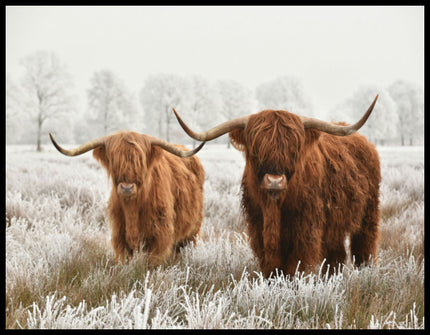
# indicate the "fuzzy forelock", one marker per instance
pixel 128 157
pixel 276 138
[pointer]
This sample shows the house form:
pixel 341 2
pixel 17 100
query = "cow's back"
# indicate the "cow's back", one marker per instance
pixel 351 179
pixel 187 187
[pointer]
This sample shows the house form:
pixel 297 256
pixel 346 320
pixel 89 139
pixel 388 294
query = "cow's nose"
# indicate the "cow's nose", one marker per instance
pixel 126 188
pixel 274 182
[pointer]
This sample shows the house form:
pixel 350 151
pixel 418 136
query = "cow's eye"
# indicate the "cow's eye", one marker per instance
pixel 260 173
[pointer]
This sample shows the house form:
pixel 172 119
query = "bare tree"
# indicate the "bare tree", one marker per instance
pixel 204 104
pixel 410 107
pixel 14 111
pixel 46 89
pixel 382 124
pixel 284 92
pixel 110 104
pixel 160 93
pixel 236 100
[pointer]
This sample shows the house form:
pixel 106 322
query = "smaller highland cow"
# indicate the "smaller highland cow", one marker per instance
pixel 156 200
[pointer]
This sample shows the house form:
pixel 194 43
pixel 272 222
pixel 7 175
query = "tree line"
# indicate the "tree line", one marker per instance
pixel 44 101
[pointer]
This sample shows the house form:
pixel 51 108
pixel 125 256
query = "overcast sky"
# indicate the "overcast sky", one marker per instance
pixel 332 50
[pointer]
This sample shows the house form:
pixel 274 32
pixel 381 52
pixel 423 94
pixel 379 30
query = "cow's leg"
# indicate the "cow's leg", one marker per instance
pixel 271 239
pixel 120 248
pixel 191 225
pixel 256 243
pixel 161 240
pixel 118 239
pixel 364 243
pixel 186 241
pixel 254 220
pixel 335 255
pixel 255 232
pixel 302 256
pixel 160 250
pixel 194 235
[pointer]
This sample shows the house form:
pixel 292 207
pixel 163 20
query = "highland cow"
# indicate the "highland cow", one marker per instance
pixel 307 186
pixel 156 201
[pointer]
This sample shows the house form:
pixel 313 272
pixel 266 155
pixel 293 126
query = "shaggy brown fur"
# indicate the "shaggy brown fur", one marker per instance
pixel 332 193
pixel 163 206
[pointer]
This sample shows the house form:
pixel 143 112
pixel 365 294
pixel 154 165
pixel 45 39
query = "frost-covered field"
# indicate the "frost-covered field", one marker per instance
pixel 60 271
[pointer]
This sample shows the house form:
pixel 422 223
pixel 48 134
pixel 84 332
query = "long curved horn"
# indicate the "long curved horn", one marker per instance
pixel 174 149
pixel 81 149
pixel 216 131
pixel 333 129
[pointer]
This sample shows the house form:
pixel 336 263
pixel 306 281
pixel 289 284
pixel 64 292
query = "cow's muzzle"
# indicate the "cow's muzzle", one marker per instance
pixel 127 189
pixel 273 182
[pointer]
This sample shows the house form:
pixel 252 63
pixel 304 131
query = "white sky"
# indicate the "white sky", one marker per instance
pixel 332 50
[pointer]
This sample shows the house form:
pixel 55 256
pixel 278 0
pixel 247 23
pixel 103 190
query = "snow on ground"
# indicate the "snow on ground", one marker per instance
pixel 55 210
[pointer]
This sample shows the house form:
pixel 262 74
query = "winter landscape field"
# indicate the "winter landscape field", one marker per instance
pixel 61 273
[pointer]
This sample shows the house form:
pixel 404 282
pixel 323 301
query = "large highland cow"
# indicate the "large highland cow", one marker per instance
pixel 156 200
pixel 307 185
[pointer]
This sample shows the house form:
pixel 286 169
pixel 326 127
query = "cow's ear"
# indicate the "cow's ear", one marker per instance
pixel 99 154
pixel 311 136
pixel 156 153
pixel 237 139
